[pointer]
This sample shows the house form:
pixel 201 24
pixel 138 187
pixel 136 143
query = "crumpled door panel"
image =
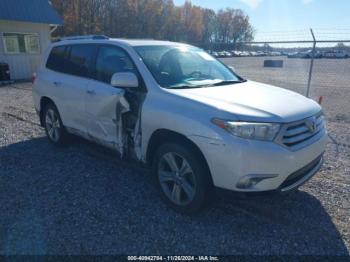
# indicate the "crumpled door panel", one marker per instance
pixel 121 108
pixel 105 109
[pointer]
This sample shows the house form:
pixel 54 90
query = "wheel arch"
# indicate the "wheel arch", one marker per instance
pixel 44 101
pixel 162 136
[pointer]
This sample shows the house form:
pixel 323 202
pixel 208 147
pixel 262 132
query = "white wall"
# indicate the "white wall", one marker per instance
pixel 22 66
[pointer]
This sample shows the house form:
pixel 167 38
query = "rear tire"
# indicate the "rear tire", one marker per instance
pixel 54 128
pixel 182 178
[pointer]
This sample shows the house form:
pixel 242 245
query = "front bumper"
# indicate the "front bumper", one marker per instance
pixel 301 176
pixel 276 167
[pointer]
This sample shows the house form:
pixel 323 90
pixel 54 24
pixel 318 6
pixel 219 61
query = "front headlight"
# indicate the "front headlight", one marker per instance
pixel 257 131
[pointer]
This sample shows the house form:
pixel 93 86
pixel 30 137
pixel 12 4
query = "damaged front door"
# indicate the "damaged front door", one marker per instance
pixel 104 103
pixel 104 106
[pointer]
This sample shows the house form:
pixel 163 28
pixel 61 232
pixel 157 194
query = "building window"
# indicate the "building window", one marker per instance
pixel 16 43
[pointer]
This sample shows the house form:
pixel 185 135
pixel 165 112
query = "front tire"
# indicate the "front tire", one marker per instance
pixel 53 125
pixel 182 178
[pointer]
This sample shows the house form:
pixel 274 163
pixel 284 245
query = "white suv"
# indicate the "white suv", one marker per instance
pixel 173 106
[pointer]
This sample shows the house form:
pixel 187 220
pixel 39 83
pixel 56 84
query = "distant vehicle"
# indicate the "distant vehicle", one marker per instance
pixel 221 54
pixel 305 54
pixel 235 53
pixel 260 53
pixel 227 54
pixel 215 54
pixel 224 54
pixel 336 54
pixel 196 123
pixel 293 55
pixel 244 53
pixel 275 54
pixel 310 54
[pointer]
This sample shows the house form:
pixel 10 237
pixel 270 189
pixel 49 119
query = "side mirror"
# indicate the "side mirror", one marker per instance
pixel 126 79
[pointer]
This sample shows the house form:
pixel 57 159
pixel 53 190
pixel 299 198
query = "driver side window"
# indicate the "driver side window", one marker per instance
pixel 111 60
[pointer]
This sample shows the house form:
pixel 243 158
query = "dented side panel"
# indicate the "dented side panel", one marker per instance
pixel 105 106
pixel 137 139
pixel 122 106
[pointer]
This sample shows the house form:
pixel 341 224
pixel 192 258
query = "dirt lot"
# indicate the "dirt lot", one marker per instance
pixel 83 200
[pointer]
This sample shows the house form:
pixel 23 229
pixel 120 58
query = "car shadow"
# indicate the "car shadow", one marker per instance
pixel 82 200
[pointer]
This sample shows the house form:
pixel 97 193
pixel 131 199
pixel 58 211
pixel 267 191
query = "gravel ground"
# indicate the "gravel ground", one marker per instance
pixel 83 200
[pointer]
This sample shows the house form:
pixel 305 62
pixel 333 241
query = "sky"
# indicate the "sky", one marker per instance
pixel 276 18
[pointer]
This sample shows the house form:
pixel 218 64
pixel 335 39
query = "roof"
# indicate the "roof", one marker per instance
pixel 105 39
pixel 34 11
pixel 145 42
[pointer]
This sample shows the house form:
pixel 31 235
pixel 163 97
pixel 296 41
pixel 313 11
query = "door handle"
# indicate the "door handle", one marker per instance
pixel 57 83
pixel 91 92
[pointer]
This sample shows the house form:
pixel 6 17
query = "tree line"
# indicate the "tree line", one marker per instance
pixel 156 19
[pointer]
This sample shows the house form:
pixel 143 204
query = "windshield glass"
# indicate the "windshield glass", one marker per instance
pixel 185 67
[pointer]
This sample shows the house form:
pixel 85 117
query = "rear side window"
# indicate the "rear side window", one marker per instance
pixel 81 60
pixel 56 60
pixel 110 60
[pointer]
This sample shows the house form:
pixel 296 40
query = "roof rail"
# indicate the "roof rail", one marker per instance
pixel 83 37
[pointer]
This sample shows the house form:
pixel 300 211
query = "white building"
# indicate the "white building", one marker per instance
pixel 25 32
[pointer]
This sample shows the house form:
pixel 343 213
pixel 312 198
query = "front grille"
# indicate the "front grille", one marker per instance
pixel 301 173
pixel 298 134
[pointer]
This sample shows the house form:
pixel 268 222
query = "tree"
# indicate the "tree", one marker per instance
pixel 159 19
pixel 209 25
pixel 191 19
pixel 341 46
pixel 233 26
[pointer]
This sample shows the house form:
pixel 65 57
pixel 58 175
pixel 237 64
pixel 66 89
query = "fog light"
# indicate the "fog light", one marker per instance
pixel 250 181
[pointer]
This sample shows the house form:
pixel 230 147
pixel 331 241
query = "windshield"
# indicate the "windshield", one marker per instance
pixel 185 67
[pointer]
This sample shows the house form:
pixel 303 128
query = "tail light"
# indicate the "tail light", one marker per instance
pixel 33 78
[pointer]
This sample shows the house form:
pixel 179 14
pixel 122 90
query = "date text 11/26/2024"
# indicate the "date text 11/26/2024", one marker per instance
pixel 173 258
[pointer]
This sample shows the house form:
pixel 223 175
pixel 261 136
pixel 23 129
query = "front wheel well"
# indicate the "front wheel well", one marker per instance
pixel 44 101
pixel 163 136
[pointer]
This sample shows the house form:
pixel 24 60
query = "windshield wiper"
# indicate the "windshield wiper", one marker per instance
pixel 221 83
pixel 183 87
pixel 228 82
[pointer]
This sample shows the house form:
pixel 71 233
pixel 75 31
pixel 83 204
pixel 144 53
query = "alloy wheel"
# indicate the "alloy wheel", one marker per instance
pixel 52 125
pixel 177 178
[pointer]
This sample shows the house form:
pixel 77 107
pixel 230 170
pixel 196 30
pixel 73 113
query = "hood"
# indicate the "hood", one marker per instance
pixel 252 101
